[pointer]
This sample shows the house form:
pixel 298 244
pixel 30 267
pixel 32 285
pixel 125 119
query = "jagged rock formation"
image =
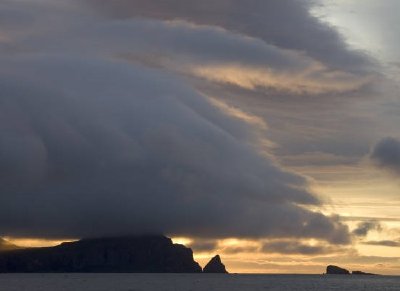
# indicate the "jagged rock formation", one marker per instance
pixel 7 246
pixel 335 270
pixel 362 273
pixel 215 266
pixel 145 254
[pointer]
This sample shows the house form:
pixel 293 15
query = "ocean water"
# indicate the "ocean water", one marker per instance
pixel 193 282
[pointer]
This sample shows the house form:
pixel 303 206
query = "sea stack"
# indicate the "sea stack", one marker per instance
pixel 215 266
pixel 335 270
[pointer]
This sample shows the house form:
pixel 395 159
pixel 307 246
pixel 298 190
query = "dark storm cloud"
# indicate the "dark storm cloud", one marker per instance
pixel 208 53
pixel 386 155
pixel 91 147
pixel 222 57
pixel 285 23
pixel 363 228
pixel 12 17
pixel 93 143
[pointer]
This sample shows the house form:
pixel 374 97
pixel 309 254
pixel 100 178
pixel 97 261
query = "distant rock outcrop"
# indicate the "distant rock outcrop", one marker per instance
pixel 335 270
pixel 215 266
pixel 145 254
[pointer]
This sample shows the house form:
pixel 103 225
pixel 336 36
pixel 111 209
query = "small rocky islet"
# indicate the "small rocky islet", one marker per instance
pixel 335 270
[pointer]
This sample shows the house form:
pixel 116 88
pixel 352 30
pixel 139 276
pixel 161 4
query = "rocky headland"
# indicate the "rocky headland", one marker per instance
pixel 139 254
pixel 144 254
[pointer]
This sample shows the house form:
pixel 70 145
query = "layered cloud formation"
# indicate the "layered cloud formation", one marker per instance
pixel 284 23
pixel 106 128
pixel 92 147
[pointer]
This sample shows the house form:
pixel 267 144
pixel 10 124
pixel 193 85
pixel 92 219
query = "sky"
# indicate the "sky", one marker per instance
pixel 262 130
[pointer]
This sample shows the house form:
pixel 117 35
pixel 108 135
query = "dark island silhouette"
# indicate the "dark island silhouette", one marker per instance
pixel 139 254
pixel 135 254
pixel 215 266
pixel 335 270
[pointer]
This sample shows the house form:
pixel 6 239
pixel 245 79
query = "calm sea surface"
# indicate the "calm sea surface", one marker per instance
pixel 198 282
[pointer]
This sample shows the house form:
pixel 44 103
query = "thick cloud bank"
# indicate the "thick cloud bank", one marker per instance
pixel 103 133
pixel 92 148
pixel 285 23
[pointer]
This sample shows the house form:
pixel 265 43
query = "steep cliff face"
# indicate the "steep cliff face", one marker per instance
pixel 146 254
pixel 215 266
